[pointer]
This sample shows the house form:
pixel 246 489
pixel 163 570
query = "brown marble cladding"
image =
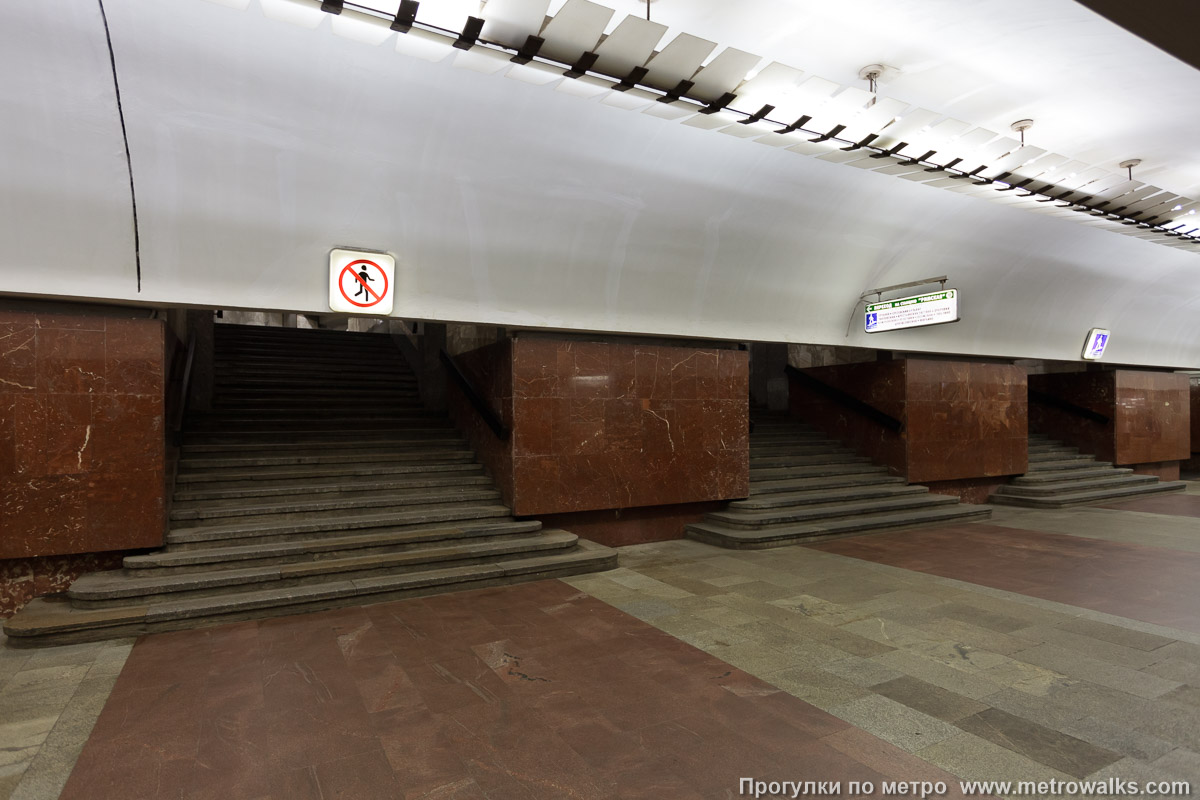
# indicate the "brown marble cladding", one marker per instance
pixel 490 370
pixel 1149 414
pixel 878 383
pixel 962 420
pixel 602 425
pixel 611 425
pixel 965 420
pixel 81 434
pixel 22 579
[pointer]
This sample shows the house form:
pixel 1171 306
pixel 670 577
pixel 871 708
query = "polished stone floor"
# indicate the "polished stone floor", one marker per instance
pixel 1036 645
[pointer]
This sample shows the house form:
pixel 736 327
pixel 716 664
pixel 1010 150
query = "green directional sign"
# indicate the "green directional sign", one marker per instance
pixel 935 308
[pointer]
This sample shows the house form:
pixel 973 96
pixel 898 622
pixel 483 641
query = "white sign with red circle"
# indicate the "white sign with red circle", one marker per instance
pixel 361 282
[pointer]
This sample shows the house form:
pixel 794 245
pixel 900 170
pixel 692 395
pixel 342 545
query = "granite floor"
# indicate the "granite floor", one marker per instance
pixel 1036 645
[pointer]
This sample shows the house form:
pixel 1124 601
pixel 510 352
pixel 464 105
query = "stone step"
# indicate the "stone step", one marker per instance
pixel 760 434
pixel 306 525
pixel 118 586
pixel 346 403
pixel 303 441
pixel 373 451
pixel 313 486
pixel 239 425
pixel 817 471
pixel 287 506
pixel 878 478
pixel 810 514
pixel 1082 462
pixel 323 546
pixel 1052 448
pixel 303 372
pixel 803 460
pixel 1086 484
pixel 1057 456
pixel 46 621
pixel 301 364
pixel 762 502
pixel 268 475
pixel 758 449
pixel 409 455
pixel 317 486
pixel 303 382
pixel 322 392
pixel 234 330
pixel 1062 500
pixel 1055 476
pixel 783 535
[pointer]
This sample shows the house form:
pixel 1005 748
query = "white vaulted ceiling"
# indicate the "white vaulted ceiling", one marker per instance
pixel 256 145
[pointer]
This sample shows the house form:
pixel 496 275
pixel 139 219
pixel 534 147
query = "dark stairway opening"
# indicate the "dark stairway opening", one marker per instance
pixel 317 480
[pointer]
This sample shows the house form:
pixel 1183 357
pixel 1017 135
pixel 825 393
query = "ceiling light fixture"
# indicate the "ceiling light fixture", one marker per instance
pixel 1020 126
pixel 1129 165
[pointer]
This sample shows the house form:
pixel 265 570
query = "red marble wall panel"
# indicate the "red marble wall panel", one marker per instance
pixel 604 425
pixel 878 383
pixel 962 420
pixel 81 434
pixel 1163 470
pixel 965 420
pixel 1153 417
pixel 610 425
pixel 1149 414
pixel 22 579
pixel 490 370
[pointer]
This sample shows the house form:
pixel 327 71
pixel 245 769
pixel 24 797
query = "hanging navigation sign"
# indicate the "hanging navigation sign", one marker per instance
pixel 1093 346
pixel 935 308
pixel 361 282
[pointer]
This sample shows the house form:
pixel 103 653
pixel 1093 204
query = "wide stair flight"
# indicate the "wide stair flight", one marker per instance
pixel 1060 476
pixel 804 486
pixel 318 480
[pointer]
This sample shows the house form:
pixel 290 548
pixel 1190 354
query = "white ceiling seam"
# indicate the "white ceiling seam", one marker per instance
pixel 631 46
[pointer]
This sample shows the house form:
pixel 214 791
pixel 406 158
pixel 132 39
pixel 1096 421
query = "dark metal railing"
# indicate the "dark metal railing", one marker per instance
pixel 181 398
pixel 475 397
pixel 844 399
pixel 1053 401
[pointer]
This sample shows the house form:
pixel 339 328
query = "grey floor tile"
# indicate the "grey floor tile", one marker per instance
pixel 894 722
pixel 1057 750
pixel 929 699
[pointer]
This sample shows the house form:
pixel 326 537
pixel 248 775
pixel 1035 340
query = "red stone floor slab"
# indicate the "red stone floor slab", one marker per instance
pixel 1176 505
pixel 525 692
pixel 1151 584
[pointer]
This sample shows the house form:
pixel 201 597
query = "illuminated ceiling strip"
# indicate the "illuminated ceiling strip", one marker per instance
pixel 776 107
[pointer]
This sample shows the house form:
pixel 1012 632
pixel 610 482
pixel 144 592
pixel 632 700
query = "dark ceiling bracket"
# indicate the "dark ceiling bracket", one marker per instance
pixel 912 162
pixel 470 34
pixel 112 60
pixel 866 140
pixel 585 63
pixel 825 137
pixel 757 115
pixel 630 81
pixel 333 6
pixel 889 153
pixel 681 88
pixel 529 50
pixel 795 126
pixel 405 16
pixel 719 103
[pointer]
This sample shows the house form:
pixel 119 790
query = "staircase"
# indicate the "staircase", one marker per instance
pixel 804 487
pixel 1059 476
pixel 318 480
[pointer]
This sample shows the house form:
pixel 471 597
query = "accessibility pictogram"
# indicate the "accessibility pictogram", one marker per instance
pixel 360 282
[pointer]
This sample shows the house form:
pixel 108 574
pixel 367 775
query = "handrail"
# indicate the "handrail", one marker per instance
pixel 1047 399
pixel 482 407
pixel 844 399
pixel 184 386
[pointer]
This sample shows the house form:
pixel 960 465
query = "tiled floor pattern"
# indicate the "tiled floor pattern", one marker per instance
pixel 49 700
pixel 982 682
pixel 1150 584
pixel 535 691
pixel 1183 505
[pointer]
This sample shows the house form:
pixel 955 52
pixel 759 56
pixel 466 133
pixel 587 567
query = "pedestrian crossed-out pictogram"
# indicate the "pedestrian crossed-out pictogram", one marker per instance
pixel 360 282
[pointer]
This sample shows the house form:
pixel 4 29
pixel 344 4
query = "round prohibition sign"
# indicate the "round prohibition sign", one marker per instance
pixel 348 270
